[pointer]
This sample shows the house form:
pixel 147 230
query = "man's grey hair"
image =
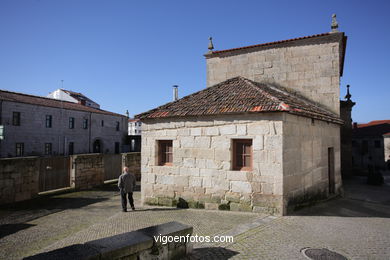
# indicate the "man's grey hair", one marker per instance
pixel 125 169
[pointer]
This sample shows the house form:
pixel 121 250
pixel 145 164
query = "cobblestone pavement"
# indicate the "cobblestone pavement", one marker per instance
pixel 355 226
pixel 78 217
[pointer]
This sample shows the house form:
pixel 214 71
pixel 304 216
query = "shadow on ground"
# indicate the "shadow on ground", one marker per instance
pixel 211 253
pixel 359 200
pixel 8 229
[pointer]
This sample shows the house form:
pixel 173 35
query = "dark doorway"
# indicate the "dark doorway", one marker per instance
pixel 331 170
pixel 71 148
pixel 97 146
pixel 117 147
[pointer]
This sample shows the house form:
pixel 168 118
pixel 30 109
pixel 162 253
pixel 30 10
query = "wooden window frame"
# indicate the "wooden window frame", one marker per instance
pixel 16 118
pixel 85 123
pixel 71 122
pixel 49 121
pixel 162 155
pixel 236 144
pixel 19 149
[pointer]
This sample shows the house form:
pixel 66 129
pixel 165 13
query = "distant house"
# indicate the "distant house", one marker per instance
pixel 135 133
pixel 371 144
pixel 34 125
pixel 71 96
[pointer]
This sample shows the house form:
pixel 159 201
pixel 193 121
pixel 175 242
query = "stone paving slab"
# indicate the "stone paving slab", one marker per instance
pixel 84 216
pixel 355 226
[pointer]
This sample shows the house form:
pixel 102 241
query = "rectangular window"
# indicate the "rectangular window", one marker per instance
pixel 71 148
pixel 16 118
pixel 117 147
pixel 102 123
pixel 85 123
pixel 165 152
pixel 19 149
pixel 117 126
pixel 377 144
pixel 71 122
pixel 48 148
pixel 242 154
pixel 48 121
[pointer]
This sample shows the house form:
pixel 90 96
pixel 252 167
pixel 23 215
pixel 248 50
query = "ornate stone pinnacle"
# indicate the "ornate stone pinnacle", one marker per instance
pixel 211 46
pixel 335 24
pixel 348 96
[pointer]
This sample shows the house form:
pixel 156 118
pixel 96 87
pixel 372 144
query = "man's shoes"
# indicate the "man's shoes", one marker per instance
pixel 133 208
pixel 124 210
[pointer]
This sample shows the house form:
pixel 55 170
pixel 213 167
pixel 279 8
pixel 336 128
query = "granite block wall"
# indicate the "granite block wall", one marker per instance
pixel 202 174
pixel 311 68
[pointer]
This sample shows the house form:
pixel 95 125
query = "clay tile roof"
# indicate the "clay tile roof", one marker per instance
pixel 375 122
pixel 240 95
pixel 374 128
pixel 49 102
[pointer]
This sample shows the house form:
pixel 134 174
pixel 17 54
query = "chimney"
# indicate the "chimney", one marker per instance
pixel 355 125
pixel 82 102
pixel 175 93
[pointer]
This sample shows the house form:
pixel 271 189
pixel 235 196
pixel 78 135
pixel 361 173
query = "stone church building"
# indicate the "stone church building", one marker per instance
pixel 264 136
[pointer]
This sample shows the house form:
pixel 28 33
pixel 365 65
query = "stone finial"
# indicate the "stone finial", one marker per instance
pixel 348 96
pixel 335 24
pixel 211 46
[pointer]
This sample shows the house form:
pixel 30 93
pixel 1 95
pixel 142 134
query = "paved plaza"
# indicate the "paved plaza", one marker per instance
pixel 356 226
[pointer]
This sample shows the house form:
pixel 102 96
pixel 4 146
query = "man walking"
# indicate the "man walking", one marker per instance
pixel 126 184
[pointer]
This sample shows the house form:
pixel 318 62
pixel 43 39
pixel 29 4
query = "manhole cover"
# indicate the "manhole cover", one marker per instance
pixel 321 254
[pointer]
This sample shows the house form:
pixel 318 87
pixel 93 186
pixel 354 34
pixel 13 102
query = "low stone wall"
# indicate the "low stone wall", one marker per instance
pixel 19 179
pixel 133 161
pixel 138 244
pixel 87 171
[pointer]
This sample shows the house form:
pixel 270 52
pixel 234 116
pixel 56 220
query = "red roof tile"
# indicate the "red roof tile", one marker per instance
pixel 49 102
pixel 241 95
pixel 374 128
pixel 375 122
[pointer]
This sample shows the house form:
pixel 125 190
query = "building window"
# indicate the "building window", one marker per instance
pixel 135 130
pixel 355 144
pixel 117 147
pixel 102 123
pixel 16 118
pixel 48 148
pixel 242 154
pixel 19 149
pixel 48 121
pixel 165 152
pixel 71 122
pixel 117 126
pixel 71 148
pixel 377 144
pixel 85 123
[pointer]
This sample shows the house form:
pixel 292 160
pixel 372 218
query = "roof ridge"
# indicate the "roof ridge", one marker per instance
pixel 264 92
pixel 272 43
pixel 57 101
pixel 35 96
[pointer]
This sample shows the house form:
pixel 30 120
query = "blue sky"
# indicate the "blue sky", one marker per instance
pixel 128 54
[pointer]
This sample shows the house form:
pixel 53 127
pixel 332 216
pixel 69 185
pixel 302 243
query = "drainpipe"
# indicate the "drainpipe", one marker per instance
pixel 89 132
